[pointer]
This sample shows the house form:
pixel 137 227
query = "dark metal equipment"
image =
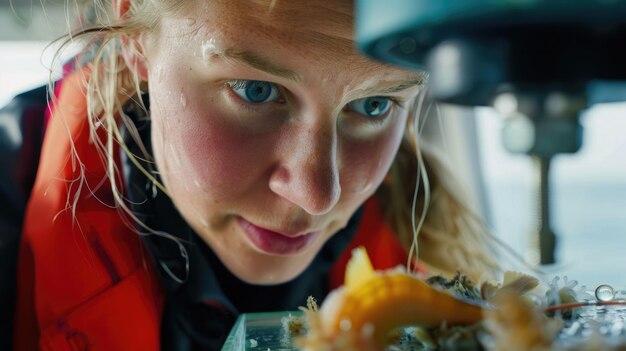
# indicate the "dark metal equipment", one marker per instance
pixel 539 63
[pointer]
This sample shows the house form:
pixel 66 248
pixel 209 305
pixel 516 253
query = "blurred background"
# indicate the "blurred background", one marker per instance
pixel 589 187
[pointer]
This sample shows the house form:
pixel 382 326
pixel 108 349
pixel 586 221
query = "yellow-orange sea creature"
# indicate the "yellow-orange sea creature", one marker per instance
pixel 361 314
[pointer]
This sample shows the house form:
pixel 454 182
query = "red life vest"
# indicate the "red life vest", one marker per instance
pixel 84 278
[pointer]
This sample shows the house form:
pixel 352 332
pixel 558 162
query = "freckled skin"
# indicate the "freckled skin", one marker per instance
pixel 301 165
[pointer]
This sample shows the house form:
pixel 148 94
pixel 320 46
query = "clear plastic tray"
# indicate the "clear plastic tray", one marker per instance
pixel 261 332
pixel 267 331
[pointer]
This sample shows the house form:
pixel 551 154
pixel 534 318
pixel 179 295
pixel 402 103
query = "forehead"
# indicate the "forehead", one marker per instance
pixel 301 19
pixel 313 38
pixel 320 29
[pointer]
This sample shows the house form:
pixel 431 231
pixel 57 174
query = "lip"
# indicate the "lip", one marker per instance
pixel 276 243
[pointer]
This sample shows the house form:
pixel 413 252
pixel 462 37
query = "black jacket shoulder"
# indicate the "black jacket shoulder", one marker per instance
pixel 21 134
pixel 22 124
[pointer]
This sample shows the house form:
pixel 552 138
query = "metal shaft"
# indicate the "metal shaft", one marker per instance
pixel 547 238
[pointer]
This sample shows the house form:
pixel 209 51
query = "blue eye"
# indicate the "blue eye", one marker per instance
pixel 255 91
pixel 371 106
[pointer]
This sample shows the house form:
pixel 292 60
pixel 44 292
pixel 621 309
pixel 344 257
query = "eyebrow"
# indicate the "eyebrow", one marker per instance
pixel 263 64
pixel 258 62
pixel 414 80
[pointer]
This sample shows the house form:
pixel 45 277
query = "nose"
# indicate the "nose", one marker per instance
pixel 308 174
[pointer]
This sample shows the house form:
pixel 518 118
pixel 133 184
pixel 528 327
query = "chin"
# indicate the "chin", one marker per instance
pixel 272 270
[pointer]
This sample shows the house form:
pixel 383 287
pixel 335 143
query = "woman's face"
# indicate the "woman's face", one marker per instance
pixel 268 128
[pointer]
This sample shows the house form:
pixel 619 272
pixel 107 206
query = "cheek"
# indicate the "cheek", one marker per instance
pixel 365 163
pixel 200 151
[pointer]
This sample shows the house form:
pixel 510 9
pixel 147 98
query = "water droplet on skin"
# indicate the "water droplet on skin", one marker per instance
pixel 190 21
pixel 209 49
pixel 183 101
pixel 366 187
pixel 204 222
pixel 196 183
pixel 605 292
pixel 175 156
pixel 159 73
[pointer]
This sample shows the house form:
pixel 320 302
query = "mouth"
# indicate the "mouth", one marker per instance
pixel 276 243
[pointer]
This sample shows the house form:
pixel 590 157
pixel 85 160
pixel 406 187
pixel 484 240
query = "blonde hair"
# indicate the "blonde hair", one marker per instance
pixel 451 237
pixel 428 209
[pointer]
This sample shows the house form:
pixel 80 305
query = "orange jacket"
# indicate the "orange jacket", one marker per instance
pixel 84 278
